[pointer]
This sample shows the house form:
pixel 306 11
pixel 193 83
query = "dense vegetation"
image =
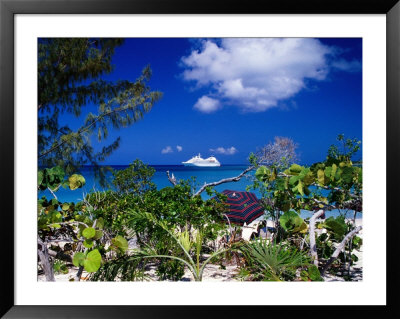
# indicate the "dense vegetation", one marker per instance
pixel 122 233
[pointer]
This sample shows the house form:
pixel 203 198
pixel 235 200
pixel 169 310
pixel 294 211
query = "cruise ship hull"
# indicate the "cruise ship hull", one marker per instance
pixel 202 164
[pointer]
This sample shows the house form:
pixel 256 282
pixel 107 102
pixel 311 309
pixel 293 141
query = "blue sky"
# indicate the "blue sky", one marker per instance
pixel 228 97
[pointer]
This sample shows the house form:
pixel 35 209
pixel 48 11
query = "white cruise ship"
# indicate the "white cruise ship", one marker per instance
pixel 201 162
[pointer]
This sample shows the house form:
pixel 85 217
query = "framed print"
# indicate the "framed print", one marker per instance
pixel 198 158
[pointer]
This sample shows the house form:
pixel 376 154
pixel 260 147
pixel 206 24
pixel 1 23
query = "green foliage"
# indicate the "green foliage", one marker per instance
pixel 272 261
pixel 76 181
pixel 189 242
pixel 311 273
pixel 89 232
pixel 344 153
pixel 135 179
pixel 92 261
pixel 78 259
pixel 60 267
pixel 120 243
pixel 336 226
pixel 291 222
pixel 50 177
pixel 70 72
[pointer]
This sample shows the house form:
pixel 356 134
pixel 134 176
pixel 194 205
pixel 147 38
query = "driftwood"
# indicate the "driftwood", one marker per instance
pixel 44 260
pixel 173 181
pixel 340 247
pixel 313 246
pixel 225 180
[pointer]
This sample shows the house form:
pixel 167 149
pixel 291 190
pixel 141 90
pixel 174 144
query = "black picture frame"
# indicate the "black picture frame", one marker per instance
pixel 9 8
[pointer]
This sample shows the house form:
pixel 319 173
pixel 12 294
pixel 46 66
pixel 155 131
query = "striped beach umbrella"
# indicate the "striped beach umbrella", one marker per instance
pixel 243 207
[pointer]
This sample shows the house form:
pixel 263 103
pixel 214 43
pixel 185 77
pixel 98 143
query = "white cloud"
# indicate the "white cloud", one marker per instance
pixel 166 150
pixel 225 151
pixel 179 148
pixel 206 104
pixel 349 66
pixel 255 74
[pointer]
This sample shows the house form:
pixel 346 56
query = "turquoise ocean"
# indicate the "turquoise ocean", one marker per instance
pixel 202 175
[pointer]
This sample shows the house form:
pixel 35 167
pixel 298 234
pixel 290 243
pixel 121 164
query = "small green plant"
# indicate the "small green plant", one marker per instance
pixel 60 267
pixel 272 261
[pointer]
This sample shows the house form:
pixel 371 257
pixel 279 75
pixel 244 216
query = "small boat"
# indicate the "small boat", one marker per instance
pixel 201 162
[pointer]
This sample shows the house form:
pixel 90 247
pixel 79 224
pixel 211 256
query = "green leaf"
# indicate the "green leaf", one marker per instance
pixel 300 188
pixel 336 225
pixel 292 222
pixel 78 259
pixel 55 225
pixel 321 177
pixel 295 168
pixel 98 235
pixel 93 261
pixel 293 180
pixel 262 173
pixel 120 242
pixel 76 181
pixel 328 171
pixel 333 172
pixel 314 273
pixel 89 232
pixel 40 177
pixel 88 243
pixel 100 223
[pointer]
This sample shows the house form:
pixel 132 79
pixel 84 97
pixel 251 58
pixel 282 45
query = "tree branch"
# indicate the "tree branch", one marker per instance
pixel 44 259
pixel 340 248
pixel 172 178
pixel 313 246
pixel 225 180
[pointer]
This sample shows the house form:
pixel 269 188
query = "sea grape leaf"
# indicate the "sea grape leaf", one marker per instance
pixel 93 261
pixel 88 243
pixel 308 178
pixel 336 225
pixel 78 259
pixel 98 235
pixel 333 172
pixel 89 232
pixel 121 243
pixel 328 171
pixel 321 177
pixel 295 168
pixel 100 223
pixel 262 173
pixel 314 273
pixel 292 222
pixel 293 180
pixel 76 181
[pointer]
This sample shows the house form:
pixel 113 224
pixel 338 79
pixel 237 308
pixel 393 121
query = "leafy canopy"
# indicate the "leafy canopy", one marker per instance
pixel 70 77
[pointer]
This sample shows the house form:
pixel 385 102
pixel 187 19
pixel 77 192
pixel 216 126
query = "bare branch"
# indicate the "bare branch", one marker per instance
pixel 52 193
pixel 340 247
pixel 281 152
pixel 313 246
pixel 44 259
pixel 225 180
pixel 172 178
